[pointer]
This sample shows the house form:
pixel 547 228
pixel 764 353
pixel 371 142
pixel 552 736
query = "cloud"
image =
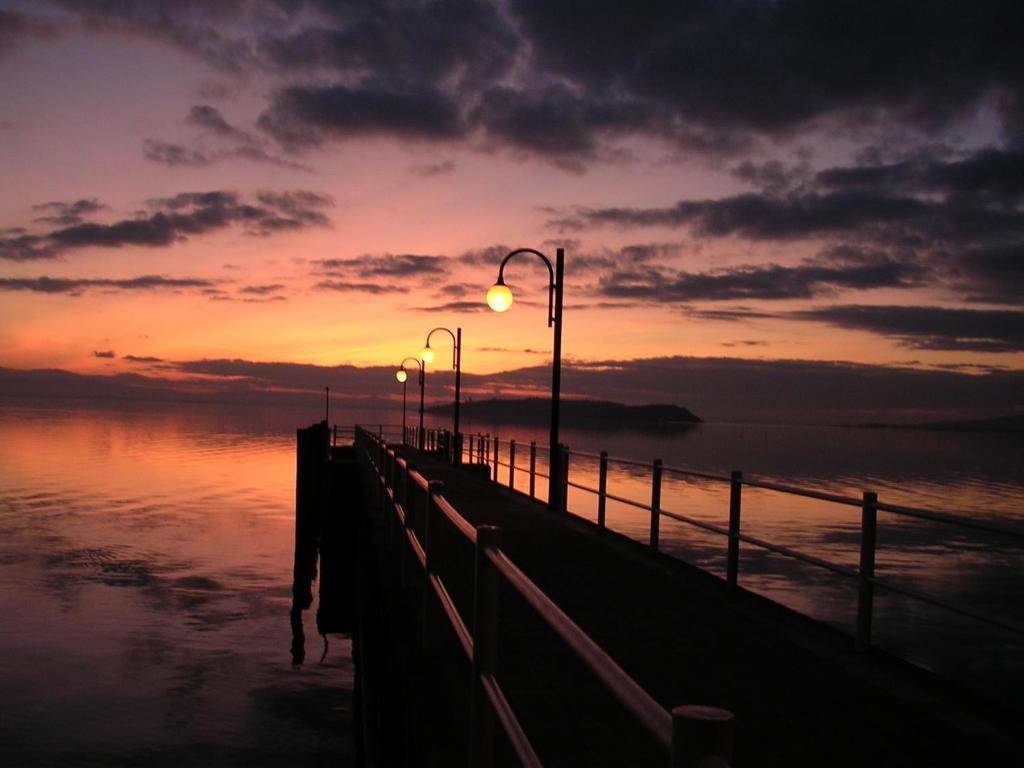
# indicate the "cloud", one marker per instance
pixel 67 214
pixel 261 290
pixel 106 353
pixel 174 219
pixel 209 118
pixel 930 328
pixel 142 359
pixel 456 306
pixel 16 26
pixel 304 116
pixel 348 287
pixel 429 170
pixel 384 265
pixel 529 77
pixel 77 286
pixel 765 282
pixel 174 155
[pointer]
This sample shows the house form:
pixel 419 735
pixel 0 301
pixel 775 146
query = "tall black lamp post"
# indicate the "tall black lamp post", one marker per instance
pixel 427 355
pixel 402 376
pixel 499 298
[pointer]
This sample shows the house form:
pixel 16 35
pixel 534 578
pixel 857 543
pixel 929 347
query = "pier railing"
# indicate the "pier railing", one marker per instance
pixel 419 519
pixel 515 465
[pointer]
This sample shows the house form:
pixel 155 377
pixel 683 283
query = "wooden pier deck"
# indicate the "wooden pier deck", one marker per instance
pixel 800 693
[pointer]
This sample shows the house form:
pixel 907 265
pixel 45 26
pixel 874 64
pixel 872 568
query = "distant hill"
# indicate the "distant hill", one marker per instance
pixel 998 424
pixel 597 414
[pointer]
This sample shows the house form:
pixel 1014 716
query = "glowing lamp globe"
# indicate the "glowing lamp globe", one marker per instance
pixel 427 355
pixel 401 375
pixel 499 297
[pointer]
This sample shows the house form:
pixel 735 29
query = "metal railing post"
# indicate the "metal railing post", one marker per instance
pixel 602 488
pixel 496 458
pixel 533 468
pixel 655 503
pixel 563 480
pixel 732 561
pixel 512 464
pixel 433 554
pixel 701 736
pixel 866 593
pixel 485 646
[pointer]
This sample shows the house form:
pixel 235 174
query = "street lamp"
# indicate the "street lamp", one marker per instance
pixel 403 377
pixel 427 356
pixel 499 298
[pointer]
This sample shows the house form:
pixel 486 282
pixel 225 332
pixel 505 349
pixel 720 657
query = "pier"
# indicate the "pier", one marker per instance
pixel 490 629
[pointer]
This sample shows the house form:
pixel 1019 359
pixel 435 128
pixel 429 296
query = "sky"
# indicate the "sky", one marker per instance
pixel 267 194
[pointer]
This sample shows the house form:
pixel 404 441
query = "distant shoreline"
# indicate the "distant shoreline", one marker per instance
pixel 597 414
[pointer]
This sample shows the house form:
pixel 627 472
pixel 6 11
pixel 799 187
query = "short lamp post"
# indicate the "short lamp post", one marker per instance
pixel 499 298
pixel 427 355
pixel 403 377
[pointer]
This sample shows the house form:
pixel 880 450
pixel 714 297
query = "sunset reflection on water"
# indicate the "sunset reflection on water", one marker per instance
pixel 145 566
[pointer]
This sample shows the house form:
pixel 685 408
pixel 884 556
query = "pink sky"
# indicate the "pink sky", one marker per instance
pixel 798 214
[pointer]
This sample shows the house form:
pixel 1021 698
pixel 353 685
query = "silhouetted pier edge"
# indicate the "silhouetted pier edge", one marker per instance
pixel 404 522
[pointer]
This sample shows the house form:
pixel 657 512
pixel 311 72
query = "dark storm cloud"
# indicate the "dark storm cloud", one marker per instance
pixel 994 173
pixel 75 286
pixel 774 66
pixel 301 116
pixel 439 39
pixel 930 328
pixel 350 287
pixel 767 282
pixel 993 274
pixel 385 265
pixel 554 122
pixel 16 26
pixel 767 217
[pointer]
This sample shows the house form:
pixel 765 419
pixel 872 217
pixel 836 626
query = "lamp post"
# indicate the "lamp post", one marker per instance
pixel 402 376
pixel 427 355
pixel 499 298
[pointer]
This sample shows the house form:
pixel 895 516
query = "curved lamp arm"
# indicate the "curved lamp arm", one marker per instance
pixel 455 343
pixel 551 277
pixel 419 365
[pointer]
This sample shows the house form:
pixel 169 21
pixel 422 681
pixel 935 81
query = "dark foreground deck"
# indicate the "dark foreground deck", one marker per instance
pixel 800 693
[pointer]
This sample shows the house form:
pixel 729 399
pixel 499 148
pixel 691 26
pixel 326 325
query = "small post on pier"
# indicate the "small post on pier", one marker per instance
pixel 655 503
pixel 496 461
pixel 602 488
pixel 512 464
pixel 732 562
pixel 866 594
pixel 432 543
pixel 701 736
pixel 533 468
pixel 485 646
pixel 563 480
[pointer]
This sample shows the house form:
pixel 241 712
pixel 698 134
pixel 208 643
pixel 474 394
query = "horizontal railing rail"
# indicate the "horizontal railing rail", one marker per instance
pixel 491 451
pixel 396 484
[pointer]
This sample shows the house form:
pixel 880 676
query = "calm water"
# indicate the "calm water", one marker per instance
pixel 146 555
pixel 145 583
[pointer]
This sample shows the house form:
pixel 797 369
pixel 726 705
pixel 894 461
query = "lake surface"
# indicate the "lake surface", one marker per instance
pixel 146 559
pixel 145 585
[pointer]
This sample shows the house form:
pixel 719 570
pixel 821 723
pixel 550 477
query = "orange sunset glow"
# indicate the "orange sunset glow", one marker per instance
pixel 265 188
